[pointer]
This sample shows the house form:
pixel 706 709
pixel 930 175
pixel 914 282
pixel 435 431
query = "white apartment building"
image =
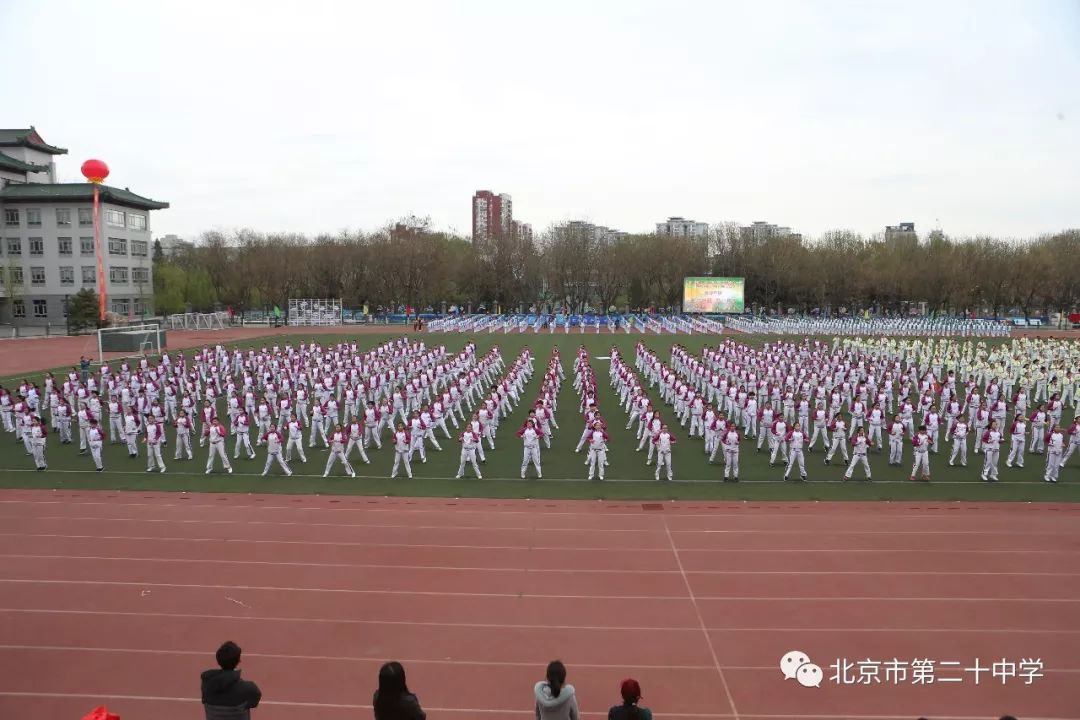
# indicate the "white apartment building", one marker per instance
pixel 681 227
pixel 47 249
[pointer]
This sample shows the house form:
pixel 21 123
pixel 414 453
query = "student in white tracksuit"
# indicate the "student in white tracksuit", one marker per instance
pixel 242 431
pixel 403 450
pixel 131 433
pixel 777 444
pixel 896 440
pixel 184 427
pixel 216 433
pixel 729 440
pixel 860 444
pixel 273 439
pixel 371 426
pixel 155 436
pixel 95 437
pixel 530 448
pixel 663 441
pixel 38 435
pixel 338 438
pixel 597 451
pixel 991 445
pixel 1072 438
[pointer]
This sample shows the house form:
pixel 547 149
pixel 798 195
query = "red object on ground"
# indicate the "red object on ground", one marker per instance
pixel 101 713
pixel 95 170
pixel 1074 318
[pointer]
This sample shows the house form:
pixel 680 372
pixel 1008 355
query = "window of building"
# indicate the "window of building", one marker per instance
pixel 33 217
pixel 89 274
pixel 139 248
pixel 67 275
pixel 86 217
pixel 115 218
pixel 140 307
pixel 16 276
pixel 136 221
pixel 140 275
pixel 11 217
pixel 14 246
pixel 18 308
pixel 121 307
pixel 117 246
pixel 63 217
pixel 86 246
pixel 63 245
pixel 37 247
pixel 37 276
pixel 118 275
pixel 41 309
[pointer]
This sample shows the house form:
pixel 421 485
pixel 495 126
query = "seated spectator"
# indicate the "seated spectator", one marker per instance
pixel 392 700
pixel 555 699
pixel 629 710
pixel 224 695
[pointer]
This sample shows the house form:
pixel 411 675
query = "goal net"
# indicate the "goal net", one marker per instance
pixel 130 341
pixel 314 312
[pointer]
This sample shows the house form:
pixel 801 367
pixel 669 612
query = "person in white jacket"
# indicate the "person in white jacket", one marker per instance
pixel 555 700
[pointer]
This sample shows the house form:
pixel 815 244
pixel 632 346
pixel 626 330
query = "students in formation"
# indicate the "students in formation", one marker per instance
pixel 782 396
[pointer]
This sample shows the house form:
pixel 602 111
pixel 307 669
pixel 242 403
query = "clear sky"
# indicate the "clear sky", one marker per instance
pixel 316 116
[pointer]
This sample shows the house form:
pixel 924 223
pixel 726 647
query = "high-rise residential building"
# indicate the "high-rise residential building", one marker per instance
pixel 47 249
pixel 523 231
pixel 598 233
pixel 681 227
pixel 902 232
pixel 173 245
pixel 492 216
pixel 760 230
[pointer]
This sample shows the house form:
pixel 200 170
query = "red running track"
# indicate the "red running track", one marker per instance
pixel 121 598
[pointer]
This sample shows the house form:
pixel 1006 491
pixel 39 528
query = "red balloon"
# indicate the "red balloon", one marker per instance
pixel 95 170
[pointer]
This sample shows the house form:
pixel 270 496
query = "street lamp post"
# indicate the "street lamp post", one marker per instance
pixel 96 171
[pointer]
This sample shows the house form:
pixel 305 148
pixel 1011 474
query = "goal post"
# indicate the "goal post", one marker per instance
pixel 130 340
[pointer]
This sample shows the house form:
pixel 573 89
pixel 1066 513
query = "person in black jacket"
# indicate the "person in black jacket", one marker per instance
pixel 224 694
pixel 392 700
pixel 629 710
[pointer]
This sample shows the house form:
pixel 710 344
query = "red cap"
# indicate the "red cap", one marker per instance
pixel 630 690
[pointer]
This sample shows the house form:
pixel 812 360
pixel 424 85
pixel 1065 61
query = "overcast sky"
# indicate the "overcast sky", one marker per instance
pixel 316 116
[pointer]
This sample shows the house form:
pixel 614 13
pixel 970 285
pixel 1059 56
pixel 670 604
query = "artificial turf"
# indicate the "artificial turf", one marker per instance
pixel 627 476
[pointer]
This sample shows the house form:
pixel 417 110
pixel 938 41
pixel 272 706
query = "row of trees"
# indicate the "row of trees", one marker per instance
pixel 573 265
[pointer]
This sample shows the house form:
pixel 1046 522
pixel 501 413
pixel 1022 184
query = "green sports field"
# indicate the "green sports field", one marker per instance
pixel 564 471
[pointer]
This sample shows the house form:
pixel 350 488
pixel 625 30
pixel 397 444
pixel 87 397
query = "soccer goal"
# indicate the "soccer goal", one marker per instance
pixel 131 340
pixel 314 312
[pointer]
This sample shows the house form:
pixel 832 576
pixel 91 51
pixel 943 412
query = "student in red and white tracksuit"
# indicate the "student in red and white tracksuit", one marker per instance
pixel 95 437
pixel 403 451
pixel 1072 435
pixel 796 439
pixel 729 440
pixel 155 436
pixel 356 440
pixel 663 441
pixel 372 420
pixel 338 438
pixel 1017 441
pixel 991 445
pixel 921 445
pixel 242 431
pixel 777 435
pixel 216 433
pixel 839 438
pixel 859 447
pixel 530 449
pixel 273 440
pixel 820 419
pixel 597 451
pixel 295 430
pixel 1055 445
pixel 959 438
pixel 896 440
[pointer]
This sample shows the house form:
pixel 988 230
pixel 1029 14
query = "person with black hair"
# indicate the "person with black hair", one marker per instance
pixel 555 700
pixel 629 710
pixel 393 701
pixel 224 695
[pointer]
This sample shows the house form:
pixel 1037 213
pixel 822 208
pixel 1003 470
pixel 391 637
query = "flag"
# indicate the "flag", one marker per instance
pixel 277 311
pixel 100 713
